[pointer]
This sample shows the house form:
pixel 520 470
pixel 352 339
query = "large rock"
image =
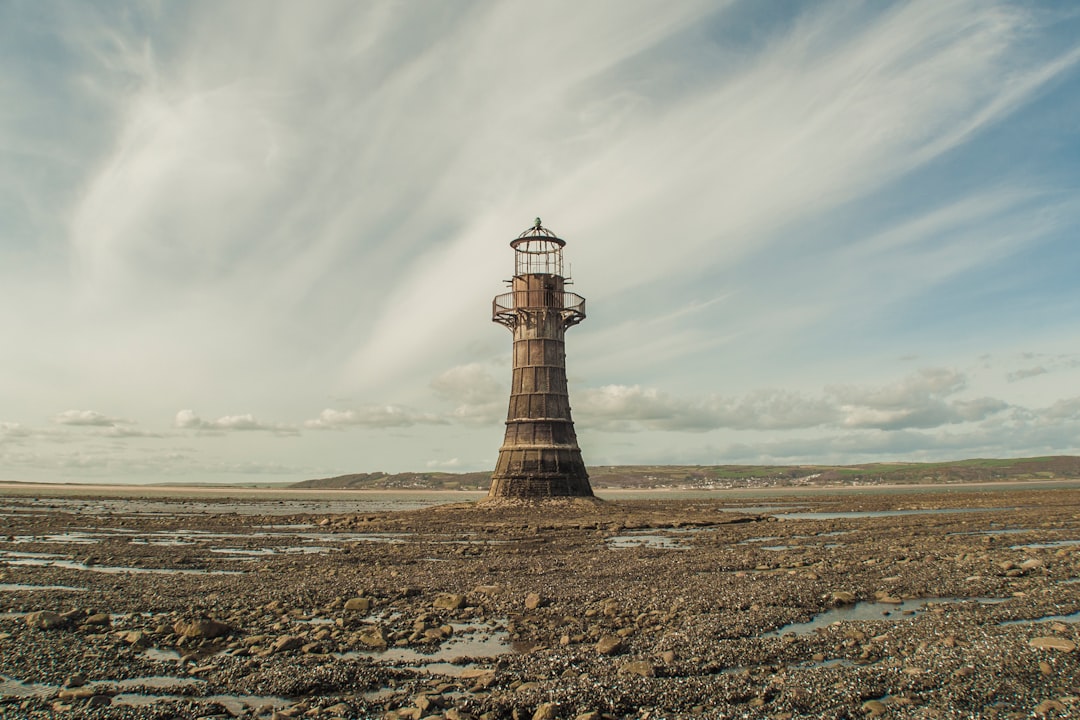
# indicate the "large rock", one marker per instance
pixel 1052 643
pixel 546 711
pixel 358 604
pixel 44 620
pixel 641 668
pixel 874 708
pixel 203 628
pixel 286 643
pixel 609 645
pixel 449 601
pixel 372 637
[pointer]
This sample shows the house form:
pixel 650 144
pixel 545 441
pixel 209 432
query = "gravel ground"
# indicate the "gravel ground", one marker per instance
pixel 947 605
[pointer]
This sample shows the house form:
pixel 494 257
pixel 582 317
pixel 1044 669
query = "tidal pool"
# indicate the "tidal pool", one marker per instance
pixel 876 611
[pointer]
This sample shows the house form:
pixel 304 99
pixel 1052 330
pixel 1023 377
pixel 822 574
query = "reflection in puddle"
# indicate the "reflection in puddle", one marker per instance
pixel 252 553
pixel 1045 545
pixel 1070 618
pixel 643 540
pixel 995 531
pixel 470 641
pixel 237 705
pixel 13 587
pixel 53 561
pixel 876 611
pixel 10 687
pixel 68 538
pixel 844 514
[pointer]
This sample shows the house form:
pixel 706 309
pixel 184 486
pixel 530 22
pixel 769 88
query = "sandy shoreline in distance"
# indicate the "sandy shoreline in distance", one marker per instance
pixel 45 489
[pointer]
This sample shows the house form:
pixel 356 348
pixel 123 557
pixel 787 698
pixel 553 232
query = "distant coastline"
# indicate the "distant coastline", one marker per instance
pixel 622 481
pixel 733 477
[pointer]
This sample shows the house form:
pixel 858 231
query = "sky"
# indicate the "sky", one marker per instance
pixel 257 241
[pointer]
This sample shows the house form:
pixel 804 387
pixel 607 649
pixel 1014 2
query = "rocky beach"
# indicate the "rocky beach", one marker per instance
pixel 936 603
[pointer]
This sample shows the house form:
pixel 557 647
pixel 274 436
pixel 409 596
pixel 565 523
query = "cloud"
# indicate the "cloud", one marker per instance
pixel 87 418
pixel 128 432
pixel 1025 373
pixel 917 401
pixel 616 408
pixel 188 420
pixel 1064 409
pixel 381 416
pixel 451 464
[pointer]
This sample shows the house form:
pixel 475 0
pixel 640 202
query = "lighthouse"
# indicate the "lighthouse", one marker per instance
pixel 539 456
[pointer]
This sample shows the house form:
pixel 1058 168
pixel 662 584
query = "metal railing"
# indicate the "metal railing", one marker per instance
pixel 571 305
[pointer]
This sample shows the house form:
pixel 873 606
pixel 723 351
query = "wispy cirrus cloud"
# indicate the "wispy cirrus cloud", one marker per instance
pixel 753 197
pixel 1025 373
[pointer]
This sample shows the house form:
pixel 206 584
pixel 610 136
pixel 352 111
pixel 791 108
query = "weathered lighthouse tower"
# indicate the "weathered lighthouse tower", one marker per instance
pixel 539 456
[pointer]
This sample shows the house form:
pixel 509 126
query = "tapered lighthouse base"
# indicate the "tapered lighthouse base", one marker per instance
pixel 555 470
pixel 539 487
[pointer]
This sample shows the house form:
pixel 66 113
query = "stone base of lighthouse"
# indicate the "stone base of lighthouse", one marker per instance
pixel 540 473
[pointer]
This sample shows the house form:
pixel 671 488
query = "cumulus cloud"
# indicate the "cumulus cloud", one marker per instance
pixel 188 420
pixel 380 416
pixel 451 464
pixel 628 408
pixel 917 401
pixel 89 418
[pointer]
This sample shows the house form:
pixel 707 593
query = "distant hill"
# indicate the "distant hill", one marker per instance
pixel 402 481
pixel 742 476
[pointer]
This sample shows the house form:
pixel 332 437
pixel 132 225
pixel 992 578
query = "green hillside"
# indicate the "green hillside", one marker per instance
pixel 736 476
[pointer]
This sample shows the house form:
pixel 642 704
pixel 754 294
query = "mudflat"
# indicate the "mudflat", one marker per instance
pixel 935 603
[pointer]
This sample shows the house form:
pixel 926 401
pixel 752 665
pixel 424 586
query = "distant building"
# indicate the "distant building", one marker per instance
pixel 539 456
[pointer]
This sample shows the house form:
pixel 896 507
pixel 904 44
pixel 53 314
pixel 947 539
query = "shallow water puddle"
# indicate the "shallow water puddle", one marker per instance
pixel 161 654
pixel 995 531
pixel 876 611
pixel 469 641
pixel 107 569
pixel 1045 545
pixel 68 538
pixel 10 687
pixel 255 553
pixel 14 587
pixel 844 514
pixel 644 540
pixel 1070 618
pixel 236 705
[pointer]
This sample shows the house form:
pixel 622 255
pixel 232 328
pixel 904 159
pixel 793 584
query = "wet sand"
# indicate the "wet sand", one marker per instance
pixel 927 603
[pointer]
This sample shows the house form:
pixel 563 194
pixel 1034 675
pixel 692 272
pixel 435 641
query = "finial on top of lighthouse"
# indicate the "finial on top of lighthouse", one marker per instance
pixel 537 225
